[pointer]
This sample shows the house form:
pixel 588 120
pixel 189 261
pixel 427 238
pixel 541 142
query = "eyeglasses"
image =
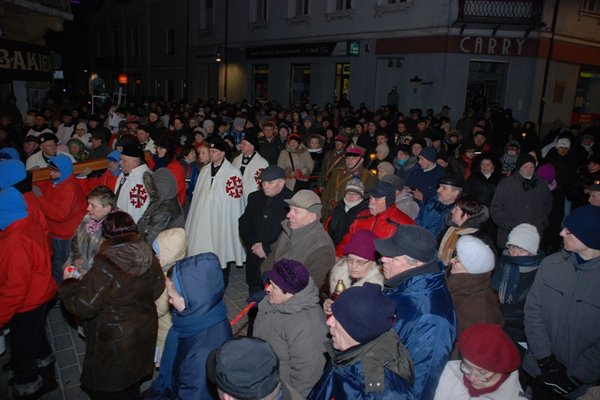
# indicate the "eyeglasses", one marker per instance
pixel 480 374
pixel 353 262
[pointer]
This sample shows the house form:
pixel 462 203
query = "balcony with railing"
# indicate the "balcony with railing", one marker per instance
pixel 500 12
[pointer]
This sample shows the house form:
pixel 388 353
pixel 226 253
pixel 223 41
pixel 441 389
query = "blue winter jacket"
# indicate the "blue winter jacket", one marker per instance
pixel 432 216
pixel 202 288
pixel 425 323
pixel 377 370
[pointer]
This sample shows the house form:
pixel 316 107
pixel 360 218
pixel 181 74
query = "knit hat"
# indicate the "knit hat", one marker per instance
pixel 207 123
pixel 238 123
pixel 395 181
pixel 488 347
pixel 244 367
pixel 563 142
pixel 306 199
pixel 251 138
pixel 386 167
pixel 166 143
pixel 584 223
pixel 12 207
pixel 384 189
pixel 355 151
pixel 410 240
pixel 523 159
pixel 290 275
pixel 82 125
pixel 362 244
pixel 271 173
pixel 475 255
pixel 31 139
pixel 364 312
pixel 131 150
pixel 11 172
pixel 524 236
pixel 114 155
pixel 548 173
pixel 294 136
pixel 429 154
pixel 355 185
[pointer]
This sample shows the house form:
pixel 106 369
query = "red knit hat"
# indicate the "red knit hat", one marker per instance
pixel 362 244
pixel 488 347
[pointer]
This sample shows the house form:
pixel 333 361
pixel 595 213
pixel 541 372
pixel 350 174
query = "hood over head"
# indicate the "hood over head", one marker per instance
pixel 170 246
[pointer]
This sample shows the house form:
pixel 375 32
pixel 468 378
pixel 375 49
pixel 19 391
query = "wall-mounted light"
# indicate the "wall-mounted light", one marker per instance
pixel 416 83
pixel 219 55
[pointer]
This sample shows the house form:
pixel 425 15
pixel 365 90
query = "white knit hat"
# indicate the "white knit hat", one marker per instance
pixel 526 237
pixel 475 255
pixel 563 142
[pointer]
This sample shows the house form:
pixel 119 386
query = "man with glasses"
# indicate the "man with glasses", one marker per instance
pixel 425 318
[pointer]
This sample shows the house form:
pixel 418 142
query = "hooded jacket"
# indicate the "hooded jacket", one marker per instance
pixel 164 211
pixel 63 202
pixel 292 160
pixel 115 300
pixel 379 369
pixel 296 330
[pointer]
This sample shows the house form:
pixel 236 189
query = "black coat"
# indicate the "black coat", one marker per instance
pixel 341 220
pixel 483 188
pixel 261 220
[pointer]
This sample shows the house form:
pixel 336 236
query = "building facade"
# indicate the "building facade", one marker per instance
pixel 539 58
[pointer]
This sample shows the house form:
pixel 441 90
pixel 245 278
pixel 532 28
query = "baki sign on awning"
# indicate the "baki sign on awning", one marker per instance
pixel 24 61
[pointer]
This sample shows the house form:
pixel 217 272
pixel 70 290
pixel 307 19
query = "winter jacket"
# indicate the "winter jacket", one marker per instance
pixel 513 204
pixel 562 316
pixel 472 226
pixel 310 245
pixel 451 386
pixel 25 273
pixel 106 179
pixel 425 181
pixel 172 247
pixel 178 172
pixel 336 185
pixel 379 369
pixel 340 220
pixel 425 322
pixel 296 330
pixel 483 188
pixel 383 225
pixel 340 272
pixel 202 286
pixel 115 299
pixel 473 299
pixel 433 216
pixel 291 161
pixel 64 205
pixel 164 211
pixel 512 280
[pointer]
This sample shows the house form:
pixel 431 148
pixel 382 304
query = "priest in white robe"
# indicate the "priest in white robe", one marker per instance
pixel 250 164
pixel 217 204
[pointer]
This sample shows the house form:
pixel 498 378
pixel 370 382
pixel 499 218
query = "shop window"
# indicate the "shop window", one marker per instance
pixel 300 84
pixel 260 82
pixel 342 81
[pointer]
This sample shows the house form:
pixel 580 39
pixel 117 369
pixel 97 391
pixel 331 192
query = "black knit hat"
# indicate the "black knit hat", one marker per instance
pixel 252 139
pixel 132 150
pixel 523 159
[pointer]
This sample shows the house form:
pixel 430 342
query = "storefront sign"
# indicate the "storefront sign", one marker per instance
pixel 24 61
pixel 295 50
pixel 492 46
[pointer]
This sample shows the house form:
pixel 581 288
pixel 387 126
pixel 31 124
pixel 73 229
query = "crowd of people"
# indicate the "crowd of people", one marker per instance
pixel 387 255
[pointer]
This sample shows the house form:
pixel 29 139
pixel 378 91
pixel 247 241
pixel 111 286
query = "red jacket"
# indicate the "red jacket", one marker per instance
pixel 64 206
pixel 25 271
pixel 382 225
pixel 177 170
pixel 106 179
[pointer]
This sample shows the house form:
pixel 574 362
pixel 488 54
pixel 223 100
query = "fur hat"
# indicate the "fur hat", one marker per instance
pixel 475 255
pixel 364 312
pixel 526 237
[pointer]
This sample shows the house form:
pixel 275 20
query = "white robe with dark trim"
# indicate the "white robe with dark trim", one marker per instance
pixel 212 222
pixel 251 173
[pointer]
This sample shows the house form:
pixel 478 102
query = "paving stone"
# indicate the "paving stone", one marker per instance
pixel 62 342
pixel 59 327
pixel 69 376
pixel 75 393
pixel 66 358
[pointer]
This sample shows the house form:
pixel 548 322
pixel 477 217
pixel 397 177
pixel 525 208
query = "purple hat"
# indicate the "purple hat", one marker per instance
pixel 548 173
pixel 290 275
pixel 362 244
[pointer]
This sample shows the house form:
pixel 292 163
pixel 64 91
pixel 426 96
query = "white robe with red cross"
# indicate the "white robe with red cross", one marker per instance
pixel 133 196
pixel 251 173
pixel 212 222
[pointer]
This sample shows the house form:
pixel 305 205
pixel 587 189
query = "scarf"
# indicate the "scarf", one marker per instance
pixel 93 226
pixel 161 162
pixel 506 278
pixel 184 327
pixel 474 392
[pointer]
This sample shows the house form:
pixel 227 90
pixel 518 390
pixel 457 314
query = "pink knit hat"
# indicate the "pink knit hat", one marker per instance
pixel 362 244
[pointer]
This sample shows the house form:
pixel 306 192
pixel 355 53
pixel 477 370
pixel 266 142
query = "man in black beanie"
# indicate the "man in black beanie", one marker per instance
pixel 132 196
pixel 520 198
pixel 367 357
